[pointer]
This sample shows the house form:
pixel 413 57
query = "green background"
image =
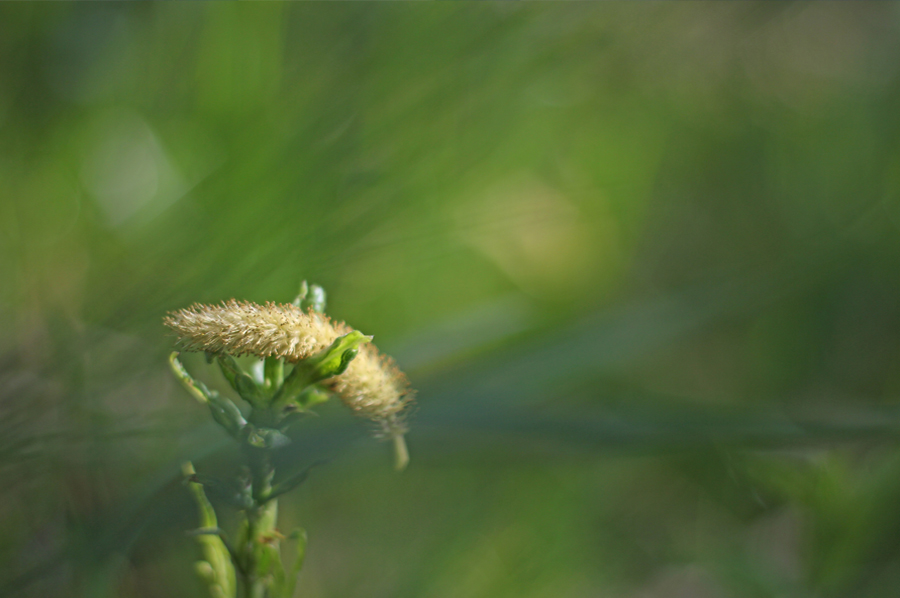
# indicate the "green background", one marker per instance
pixel 641 262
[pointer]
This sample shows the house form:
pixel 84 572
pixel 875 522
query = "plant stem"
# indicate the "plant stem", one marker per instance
pixel 260 520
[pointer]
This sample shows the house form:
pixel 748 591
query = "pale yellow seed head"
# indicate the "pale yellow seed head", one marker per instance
pixel 372 386
pixel 244 328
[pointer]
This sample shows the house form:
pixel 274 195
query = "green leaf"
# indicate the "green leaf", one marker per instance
pixel 226 414
pixel 401 452
pixel 197 389
pixel 273 375
pixel 269 566
pixel 220 574
pixel 300 538
pixel 328 363
pixel 241 381
pixel 312 396
pixel 293 481
pixel 233 492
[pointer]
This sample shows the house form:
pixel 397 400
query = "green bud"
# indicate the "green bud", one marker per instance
pixel 304 290
pixel 268 438
pixel 205 572
pixel 316 299
pixel 310 296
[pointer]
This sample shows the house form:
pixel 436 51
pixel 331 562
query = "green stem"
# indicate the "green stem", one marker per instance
pixel 260 520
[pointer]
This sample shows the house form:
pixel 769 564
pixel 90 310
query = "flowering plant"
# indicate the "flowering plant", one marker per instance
pixel 327 358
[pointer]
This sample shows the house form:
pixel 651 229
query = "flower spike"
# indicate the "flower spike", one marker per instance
pixel 371 386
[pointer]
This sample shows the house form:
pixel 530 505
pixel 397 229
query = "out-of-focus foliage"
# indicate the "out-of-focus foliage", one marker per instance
pixel 641 261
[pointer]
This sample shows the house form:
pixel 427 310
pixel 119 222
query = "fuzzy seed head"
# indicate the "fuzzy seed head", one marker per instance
pixel 244 328
pixel 372 386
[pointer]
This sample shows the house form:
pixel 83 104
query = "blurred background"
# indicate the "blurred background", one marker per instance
pixel 641 262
